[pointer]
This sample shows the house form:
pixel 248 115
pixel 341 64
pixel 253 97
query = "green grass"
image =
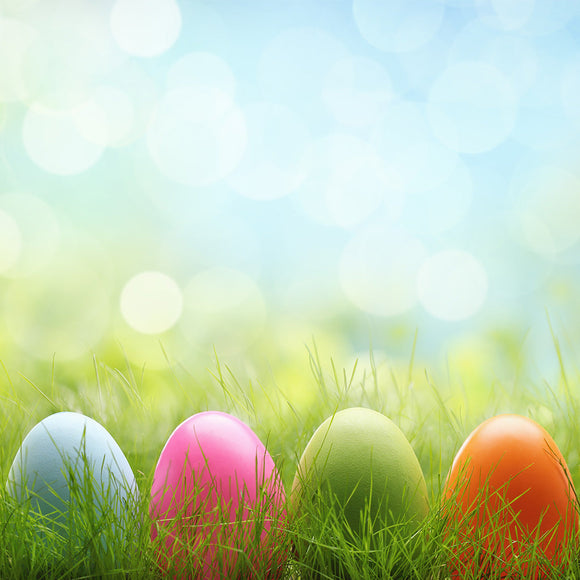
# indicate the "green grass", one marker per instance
pixel 140 409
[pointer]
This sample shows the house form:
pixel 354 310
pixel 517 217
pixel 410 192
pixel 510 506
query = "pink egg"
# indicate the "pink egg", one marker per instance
pixel 216 499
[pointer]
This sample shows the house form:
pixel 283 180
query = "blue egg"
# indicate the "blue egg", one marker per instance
pixel 73 480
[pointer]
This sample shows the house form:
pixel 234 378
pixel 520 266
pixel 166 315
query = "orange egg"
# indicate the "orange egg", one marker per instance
pixel 509 501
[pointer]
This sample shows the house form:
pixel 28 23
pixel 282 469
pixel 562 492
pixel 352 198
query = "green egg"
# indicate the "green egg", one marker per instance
pixel 360 464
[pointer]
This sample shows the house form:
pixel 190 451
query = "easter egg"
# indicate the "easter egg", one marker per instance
pixel 217 502
pixel 73 478
pixel 360 463
pixel 509 501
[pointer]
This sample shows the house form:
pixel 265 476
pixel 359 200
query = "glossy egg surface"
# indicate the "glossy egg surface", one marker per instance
pixel 217 494
pixel 70 472
pixel 510 501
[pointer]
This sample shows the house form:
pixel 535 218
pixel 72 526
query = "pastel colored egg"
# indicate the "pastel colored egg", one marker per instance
pixel 217 502
pixel 358 474
pixel 73 478
pixel 509 502
pixel 361 458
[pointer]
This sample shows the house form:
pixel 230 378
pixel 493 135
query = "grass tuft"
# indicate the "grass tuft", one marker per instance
pixel 140 409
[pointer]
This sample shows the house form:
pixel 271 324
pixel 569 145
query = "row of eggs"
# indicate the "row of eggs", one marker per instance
pixel 217 496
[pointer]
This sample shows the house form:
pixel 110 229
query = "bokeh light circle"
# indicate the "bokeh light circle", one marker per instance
pixel 128 102
pixel 346 181
pixel 196 69
pixel 452 285
pixel 404 137
pixel 398 25
pixel 271 165
pixel 529 17
pixel 145 28
pixel 207 26
pixel 197 136
pixel 359 186
pixel 506 15
pixel 151 302
pixel 71 52
pixel 472 107
pixel 357 91
pixel 107 118
pixel 294 65
pixel 514 55
pixel 55 142
pixel 378 270
pixel 10 242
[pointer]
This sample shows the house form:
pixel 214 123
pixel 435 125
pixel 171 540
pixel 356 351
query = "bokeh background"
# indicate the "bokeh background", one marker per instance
pixel 180 179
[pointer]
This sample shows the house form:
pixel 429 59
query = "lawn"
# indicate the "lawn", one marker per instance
pixel 140 409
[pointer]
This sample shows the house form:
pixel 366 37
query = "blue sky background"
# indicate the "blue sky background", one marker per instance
pixel 244 173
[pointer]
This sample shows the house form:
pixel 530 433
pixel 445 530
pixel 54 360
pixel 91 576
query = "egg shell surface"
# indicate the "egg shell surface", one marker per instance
pixel 359 456
pixel 508 491
pixel 68 468
pixel 216 492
